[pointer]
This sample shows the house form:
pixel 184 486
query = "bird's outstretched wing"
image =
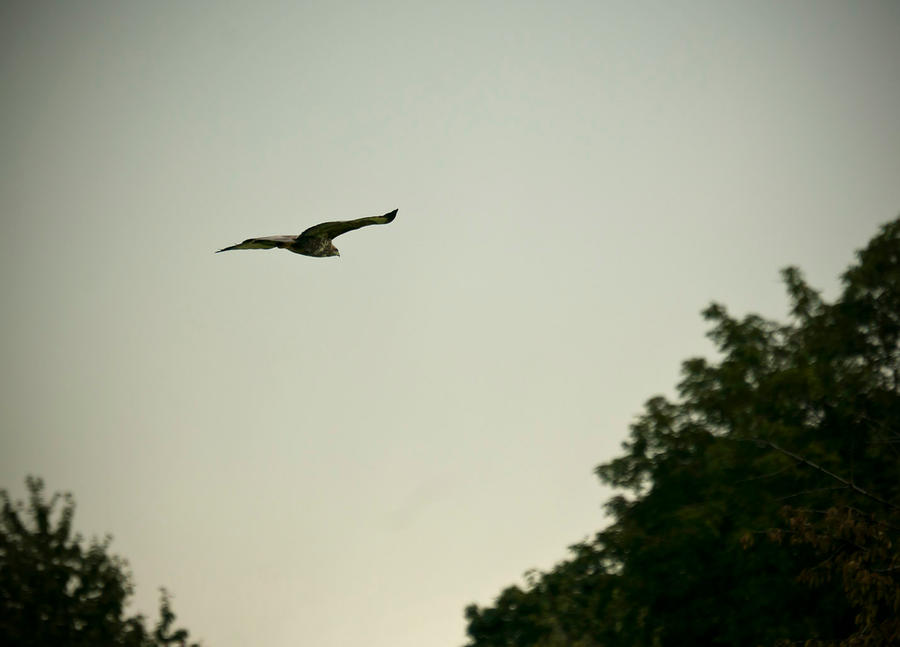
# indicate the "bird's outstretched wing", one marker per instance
pixel 264 242
pixel 335 229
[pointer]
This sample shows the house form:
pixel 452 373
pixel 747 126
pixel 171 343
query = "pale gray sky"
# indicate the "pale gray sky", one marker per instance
pixel 347 451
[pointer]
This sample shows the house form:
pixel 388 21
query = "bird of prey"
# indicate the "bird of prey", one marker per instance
pixel 315 241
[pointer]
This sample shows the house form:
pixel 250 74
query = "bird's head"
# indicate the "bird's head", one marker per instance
pixel 332 250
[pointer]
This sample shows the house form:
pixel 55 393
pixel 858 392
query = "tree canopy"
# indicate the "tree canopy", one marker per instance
pixel 55 590
pixel 760 507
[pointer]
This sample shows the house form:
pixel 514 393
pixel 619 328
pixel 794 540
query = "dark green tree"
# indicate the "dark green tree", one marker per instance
pixel 790 435
pixel 55 590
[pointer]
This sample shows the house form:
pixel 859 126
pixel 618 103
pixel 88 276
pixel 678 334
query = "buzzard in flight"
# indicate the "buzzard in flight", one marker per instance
pixel 315 241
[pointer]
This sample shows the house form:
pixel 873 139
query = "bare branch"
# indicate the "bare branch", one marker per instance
pixel 850 484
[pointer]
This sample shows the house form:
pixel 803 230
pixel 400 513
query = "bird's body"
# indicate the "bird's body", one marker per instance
pixel 315 241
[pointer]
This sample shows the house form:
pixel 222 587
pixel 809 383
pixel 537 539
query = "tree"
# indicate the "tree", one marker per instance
pixel 55 590
pixel 790 435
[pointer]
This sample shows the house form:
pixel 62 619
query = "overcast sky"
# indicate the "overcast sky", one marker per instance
pixel 348 451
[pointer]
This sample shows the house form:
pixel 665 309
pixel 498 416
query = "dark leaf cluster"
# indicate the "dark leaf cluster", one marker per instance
pixel 57 590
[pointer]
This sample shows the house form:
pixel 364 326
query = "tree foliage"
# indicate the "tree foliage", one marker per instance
pixel 761 506
pixel 56 590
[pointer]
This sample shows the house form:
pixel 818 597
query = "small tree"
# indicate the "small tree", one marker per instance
pixel 55 590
